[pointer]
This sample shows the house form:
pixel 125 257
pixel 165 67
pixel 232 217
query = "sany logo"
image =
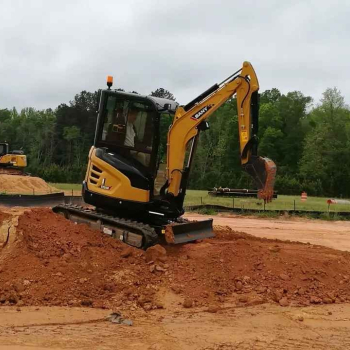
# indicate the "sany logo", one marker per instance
pixel 201 112
pixel 103 185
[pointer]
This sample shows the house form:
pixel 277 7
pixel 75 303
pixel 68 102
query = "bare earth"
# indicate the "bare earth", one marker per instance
pixel 266 326
pixel 259 327
pixel 333 234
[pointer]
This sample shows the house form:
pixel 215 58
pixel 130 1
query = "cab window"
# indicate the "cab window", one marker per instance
pixel 2 149
pixel 128 126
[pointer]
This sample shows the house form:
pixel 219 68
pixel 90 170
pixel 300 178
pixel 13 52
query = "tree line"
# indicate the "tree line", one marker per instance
pixel 308 141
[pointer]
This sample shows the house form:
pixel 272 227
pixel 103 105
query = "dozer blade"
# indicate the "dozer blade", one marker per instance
pixel 11 171
pixel 263 171
pixel 187 232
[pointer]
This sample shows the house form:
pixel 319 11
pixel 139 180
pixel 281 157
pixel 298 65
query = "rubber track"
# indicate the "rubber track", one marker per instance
pixel 11 171
pixel 145 230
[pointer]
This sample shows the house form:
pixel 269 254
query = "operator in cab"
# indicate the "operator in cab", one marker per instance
pixel 130 128
pixel 131 137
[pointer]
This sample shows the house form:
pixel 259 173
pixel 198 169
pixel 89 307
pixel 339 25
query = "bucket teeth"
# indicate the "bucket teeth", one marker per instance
pixel 263 171
pixel 266 193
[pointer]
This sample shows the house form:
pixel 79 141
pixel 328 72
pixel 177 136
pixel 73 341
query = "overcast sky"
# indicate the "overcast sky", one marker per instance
pixel 52 49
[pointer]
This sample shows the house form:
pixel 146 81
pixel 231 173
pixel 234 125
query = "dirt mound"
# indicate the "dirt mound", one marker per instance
pixel 19 184
pixel 56 262
pixel 248 269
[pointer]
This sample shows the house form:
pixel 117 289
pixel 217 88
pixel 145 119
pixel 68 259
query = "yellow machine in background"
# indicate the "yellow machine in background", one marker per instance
pixel 12 163
pixel 124 164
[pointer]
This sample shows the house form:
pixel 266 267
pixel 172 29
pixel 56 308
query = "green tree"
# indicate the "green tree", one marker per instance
pixel 163 93
pixel 270 96
pixel 326 153
pixel 293 110
pixel 81 113
pixel 5 115
pixel 71 134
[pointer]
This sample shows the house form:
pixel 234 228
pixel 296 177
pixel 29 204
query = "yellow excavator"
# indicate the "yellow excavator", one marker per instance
pixel 11 162
pixel 123 169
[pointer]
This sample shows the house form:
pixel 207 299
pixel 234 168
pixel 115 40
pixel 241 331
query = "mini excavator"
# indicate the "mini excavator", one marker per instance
pixel 123 167
pixel 11 162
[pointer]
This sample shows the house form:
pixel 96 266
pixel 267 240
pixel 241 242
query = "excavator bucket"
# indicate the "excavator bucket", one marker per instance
pixel 263 171
pixel 189 231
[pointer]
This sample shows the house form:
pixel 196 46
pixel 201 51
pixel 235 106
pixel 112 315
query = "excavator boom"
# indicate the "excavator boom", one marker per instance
pixel 190 119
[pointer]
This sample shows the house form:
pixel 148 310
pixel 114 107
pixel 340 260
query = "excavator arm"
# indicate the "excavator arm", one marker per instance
pixel 190 119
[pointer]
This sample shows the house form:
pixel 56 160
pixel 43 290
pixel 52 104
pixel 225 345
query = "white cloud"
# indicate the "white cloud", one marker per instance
pixel 51 50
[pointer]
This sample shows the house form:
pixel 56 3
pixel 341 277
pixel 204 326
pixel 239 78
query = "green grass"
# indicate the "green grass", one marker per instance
pixel 281 203
pixel 74 187
pixel 68 188
pixel 194 197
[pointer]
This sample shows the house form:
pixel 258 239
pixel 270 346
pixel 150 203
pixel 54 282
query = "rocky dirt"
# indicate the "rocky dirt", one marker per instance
pixel 209 285
pixel 4 216
pixel 52 261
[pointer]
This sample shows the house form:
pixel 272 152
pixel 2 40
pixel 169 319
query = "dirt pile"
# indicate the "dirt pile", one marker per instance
pixel 254 270
pixel 18 184
pixel 55 262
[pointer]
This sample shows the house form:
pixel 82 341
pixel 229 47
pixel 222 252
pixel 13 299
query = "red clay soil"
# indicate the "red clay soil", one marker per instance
pixel 3 216
pixel 56 262
pixel 256 270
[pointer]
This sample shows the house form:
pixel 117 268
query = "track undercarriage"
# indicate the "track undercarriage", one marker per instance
pixel 11 171
pixel 137 234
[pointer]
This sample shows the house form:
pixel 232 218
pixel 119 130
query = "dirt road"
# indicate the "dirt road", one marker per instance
pixel 333 234
pixel 232 281
pixel 259 327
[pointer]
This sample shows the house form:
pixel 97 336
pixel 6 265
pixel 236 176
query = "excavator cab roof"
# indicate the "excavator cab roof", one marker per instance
pixel 161 104
pixel 164 104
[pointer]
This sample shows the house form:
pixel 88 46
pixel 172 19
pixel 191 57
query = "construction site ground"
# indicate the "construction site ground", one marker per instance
pixel 248 288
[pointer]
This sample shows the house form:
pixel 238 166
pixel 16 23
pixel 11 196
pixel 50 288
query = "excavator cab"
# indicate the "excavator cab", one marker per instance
pixel 125 152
